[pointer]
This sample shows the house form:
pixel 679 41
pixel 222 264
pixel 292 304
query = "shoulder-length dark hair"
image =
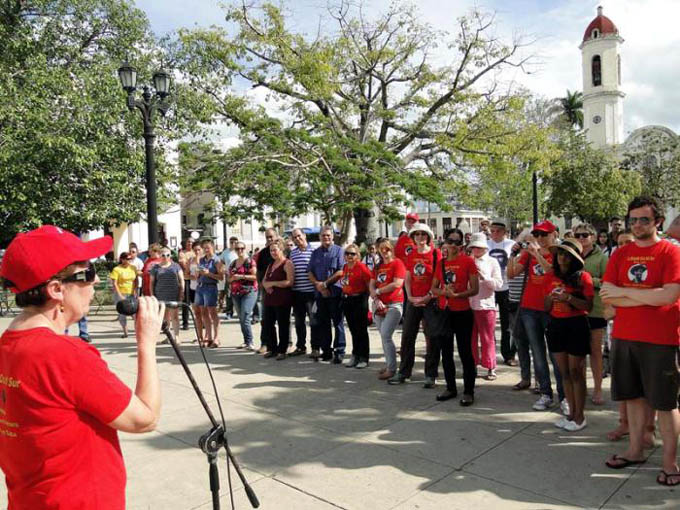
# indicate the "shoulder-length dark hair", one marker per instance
pixel 572 276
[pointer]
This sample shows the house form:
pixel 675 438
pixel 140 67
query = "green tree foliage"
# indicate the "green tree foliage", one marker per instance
pixel 569 109
pixel 363 119
pixel 587 183
pixel 656 157
pixel 70 152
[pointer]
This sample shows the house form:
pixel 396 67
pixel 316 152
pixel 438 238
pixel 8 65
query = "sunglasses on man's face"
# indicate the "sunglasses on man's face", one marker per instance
pixel 454 242
pixel 582 235
pixel 88 275
pixel 166 255
pixel 540 233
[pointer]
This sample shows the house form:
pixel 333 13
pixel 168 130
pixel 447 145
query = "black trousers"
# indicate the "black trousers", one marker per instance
pixel 187 300
pixel 302 308
pixel 508 350
pixel 355 309
pixel 413 315
pixel 461 324
pixel 271 316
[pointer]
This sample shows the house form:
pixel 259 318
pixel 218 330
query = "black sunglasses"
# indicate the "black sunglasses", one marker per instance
pixel 539 233
pixel 455 242
pixel 582 235
pixel 82 276
pixel 350 253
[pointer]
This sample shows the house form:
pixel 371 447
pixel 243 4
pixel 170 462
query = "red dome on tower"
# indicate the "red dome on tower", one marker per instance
pixel 602 24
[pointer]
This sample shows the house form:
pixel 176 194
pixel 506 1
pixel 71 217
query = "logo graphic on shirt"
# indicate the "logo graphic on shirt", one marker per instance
pixel 501 256
pixel 449 277
pixel 382 277
pixel 637 273
pixel 538 270
pixel 419 269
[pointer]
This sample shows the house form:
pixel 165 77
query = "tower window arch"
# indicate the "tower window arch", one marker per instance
pixel 596 70
pixel 595 33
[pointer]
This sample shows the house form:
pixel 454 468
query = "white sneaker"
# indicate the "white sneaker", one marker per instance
pixel 572 426
pixel 361 364
pixel 543 403
pixel 564 406
pixel 562 422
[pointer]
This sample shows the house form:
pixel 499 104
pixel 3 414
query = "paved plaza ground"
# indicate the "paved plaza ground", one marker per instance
pixel 319 436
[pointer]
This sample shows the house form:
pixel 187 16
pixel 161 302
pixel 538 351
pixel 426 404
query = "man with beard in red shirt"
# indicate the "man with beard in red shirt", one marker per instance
pixel 642 282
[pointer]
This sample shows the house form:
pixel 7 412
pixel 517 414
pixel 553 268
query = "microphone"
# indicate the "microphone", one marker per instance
pixel 130 305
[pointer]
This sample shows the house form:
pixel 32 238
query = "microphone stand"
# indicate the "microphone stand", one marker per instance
pixel 216 438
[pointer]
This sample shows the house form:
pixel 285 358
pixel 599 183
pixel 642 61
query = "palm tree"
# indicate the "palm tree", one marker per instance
pixel 572 108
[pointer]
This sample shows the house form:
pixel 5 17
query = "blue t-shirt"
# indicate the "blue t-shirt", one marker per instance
pixel 324 263
pixel 210 265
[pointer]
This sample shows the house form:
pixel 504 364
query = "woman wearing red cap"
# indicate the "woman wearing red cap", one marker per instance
pixel 61 405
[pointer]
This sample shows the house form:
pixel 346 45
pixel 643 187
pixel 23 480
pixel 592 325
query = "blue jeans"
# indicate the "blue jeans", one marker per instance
pixel 328 310
pixel 531 335
pixel 244 308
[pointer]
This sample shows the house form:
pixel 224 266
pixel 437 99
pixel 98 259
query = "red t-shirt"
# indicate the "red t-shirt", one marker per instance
pixel 404 247
pixel 456 272
pixel 563 310
pixel 146 275
pixel 421 267
pixel 534 292
pixel 646 268
pixel 355 280
pixel 384 274
pixel 56 397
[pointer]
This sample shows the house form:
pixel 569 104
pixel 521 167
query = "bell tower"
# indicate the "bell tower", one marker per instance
pixel 602 99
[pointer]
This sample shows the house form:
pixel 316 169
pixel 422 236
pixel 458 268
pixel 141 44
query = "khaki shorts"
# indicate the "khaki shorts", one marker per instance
pixel 644 370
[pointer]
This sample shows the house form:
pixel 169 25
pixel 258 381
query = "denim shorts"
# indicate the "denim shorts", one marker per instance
pixel 206 295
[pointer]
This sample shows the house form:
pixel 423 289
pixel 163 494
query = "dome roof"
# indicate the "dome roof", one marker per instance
pixel 603 24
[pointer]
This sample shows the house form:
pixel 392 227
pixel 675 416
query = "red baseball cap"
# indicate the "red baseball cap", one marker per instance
pixel 34 257
pixel 544 226
pixel 412 216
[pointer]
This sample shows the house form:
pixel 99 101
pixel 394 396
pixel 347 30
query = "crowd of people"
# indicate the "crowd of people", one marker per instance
pixel 614 298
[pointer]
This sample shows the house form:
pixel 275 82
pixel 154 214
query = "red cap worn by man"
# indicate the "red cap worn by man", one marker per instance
pixel 405 245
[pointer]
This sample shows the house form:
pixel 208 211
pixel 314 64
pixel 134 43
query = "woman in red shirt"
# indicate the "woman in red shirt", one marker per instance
pixel 355 279
pixel 454 282
pixel 569 294
pixel 388 297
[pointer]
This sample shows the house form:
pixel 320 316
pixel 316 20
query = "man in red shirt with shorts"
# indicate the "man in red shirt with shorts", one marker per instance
pixel 642 282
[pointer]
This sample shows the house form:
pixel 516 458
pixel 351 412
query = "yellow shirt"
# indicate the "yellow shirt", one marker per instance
pixel 125 278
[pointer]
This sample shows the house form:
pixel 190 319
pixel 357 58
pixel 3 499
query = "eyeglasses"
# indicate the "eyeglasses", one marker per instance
pixel 420 233
pixel 455 242
pixel 82 276
pixel 240 248
pixel 582 235
pixel 166 255
pixel 643 220
pixel 350 254
pixel 540 233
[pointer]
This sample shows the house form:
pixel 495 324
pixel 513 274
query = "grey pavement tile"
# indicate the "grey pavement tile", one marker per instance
pixel 175 480
pixel 463 491
pixel 273 494
pixel 641 492
pixel 439 438
pixel 363 475
pixel 575 474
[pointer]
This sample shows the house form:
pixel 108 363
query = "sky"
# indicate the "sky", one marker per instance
pixel 649 54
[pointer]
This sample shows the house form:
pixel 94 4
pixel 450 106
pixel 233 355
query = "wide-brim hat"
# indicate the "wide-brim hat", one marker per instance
pixel 478 240
pixel 34 257
pixel 571 247
pixel 421 227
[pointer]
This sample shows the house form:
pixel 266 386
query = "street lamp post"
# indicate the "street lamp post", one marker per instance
pixel 148 105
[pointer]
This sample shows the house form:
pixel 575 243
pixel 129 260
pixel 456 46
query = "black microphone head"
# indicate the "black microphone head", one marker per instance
pixel 127 306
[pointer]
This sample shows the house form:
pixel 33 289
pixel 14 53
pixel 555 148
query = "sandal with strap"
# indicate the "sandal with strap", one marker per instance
pixel 522 385
pixel 668 479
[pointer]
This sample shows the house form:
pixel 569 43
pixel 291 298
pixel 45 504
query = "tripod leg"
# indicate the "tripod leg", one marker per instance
pixel 214 480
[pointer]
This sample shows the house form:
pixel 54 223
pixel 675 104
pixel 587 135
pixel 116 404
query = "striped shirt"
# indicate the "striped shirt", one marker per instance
pixel 300 260
pixel 515 288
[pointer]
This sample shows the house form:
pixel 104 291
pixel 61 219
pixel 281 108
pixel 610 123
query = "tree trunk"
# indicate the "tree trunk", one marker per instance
pixel 367 224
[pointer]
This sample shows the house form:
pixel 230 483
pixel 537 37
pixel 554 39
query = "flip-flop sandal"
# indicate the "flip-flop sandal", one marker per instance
pixel 623 462
pixel 667 477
